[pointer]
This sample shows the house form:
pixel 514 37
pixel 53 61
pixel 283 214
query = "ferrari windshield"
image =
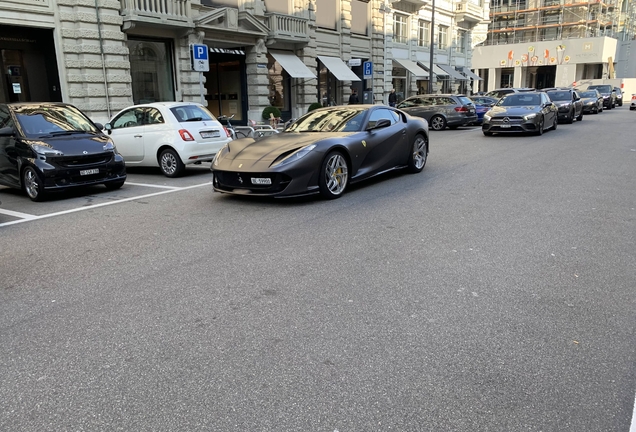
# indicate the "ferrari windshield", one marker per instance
pixel 520 99
pixel 337 119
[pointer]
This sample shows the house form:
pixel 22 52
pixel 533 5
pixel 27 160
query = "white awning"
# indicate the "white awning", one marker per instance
pixel 471 75
pixel 452 72
pixel 292 64
pixel 339 68
pixel 412 67
pixel 436 69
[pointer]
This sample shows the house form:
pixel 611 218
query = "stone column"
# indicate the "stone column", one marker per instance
pixel 98 84
pixel 378 53
pixel 257 81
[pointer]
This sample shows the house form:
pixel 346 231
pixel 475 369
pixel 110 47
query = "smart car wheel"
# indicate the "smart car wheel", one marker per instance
pixel 417 160
pixel 32 184
pixel 334 175
pixel 438 123
pixel 170 163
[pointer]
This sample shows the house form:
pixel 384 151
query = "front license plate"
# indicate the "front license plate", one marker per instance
pixel 90 171
pixel 261 181
pixel 505 126
pixel 210 134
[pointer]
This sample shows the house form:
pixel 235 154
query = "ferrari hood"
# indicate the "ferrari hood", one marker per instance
pixel 270 148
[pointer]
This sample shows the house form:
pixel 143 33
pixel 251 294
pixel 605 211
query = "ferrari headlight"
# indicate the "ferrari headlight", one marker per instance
pixel 44 150
pixel 220 153
pixel 529 116
pixel 297 155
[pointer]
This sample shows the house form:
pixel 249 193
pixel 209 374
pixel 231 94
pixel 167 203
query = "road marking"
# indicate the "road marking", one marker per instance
pixel 17 214
pixel 33 217
pixel 151 185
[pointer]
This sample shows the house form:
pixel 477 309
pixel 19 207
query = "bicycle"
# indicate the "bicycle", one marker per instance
pixel 231 131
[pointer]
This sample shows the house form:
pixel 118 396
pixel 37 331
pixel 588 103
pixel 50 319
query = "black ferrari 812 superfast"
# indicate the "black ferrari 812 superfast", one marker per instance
pixel 323 152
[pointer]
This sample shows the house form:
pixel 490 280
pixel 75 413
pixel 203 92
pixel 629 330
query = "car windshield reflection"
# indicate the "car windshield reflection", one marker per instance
pixel 334 120
pixel 52 120
pixel 520 100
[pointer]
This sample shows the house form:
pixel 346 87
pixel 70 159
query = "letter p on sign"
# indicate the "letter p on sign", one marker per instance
pixel 199 58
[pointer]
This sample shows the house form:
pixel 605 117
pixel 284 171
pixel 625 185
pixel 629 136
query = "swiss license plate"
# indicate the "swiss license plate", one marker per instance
pixel 210 134
pixel 89 171
pixel 261 181
pixel 504 126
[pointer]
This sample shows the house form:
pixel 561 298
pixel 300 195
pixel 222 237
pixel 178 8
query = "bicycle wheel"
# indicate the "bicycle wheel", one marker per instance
pixel 240 134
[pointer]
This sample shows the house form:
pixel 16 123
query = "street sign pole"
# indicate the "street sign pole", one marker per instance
pixel 200 61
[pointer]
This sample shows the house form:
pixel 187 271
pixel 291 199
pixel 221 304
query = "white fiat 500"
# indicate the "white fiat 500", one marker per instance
pixel 169 135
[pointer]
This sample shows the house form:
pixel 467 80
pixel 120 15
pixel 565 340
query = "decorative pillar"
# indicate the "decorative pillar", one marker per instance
pixel 257 81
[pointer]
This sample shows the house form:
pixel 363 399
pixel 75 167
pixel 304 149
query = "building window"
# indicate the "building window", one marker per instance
pixel 151 70
pixel 327 13
pixel 423 33
pixel 442 37
pixel 460 41
pixel 400 29
pixel 359 17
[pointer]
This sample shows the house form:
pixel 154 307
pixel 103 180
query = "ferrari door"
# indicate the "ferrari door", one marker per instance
pixel 384 145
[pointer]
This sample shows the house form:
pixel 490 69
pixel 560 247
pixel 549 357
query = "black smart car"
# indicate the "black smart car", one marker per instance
pixel 50 146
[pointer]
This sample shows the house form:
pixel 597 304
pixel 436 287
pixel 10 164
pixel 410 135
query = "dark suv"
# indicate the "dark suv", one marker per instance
pixel 608 93
pixel 619 96
pixel 441 111
pixel 568 102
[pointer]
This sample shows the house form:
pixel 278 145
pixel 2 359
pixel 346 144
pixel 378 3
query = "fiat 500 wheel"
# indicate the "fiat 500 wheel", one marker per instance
pixel 334 175
pixel 170 163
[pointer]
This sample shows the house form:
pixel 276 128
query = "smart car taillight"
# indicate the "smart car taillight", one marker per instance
pixel 185 135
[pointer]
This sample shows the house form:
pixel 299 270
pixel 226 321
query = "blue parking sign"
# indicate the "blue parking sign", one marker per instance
pixel 367 68
pixel 200 57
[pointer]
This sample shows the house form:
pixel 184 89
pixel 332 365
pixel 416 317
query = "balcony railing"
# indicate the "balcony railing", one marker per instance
pixel 163 12
pixel 287 27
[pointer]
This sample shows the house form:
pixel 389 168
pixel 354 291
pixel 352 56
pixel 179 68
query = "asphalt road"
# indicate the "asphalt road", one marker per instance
pixel 492 292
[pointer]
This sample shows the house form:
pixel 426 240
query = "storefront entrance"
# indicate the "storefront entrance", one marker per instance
pixel 226 86
pixel 28 65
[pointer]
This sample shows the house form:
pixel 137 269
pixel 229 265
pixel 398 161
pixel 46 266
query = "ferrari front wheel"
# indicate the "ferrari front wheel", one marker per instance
pixel 418 154
pixel 334 175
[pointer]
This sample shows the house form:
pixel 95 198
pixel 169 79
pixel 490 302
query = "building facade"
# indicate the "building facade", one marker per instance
pixel 105 55
pixel 546 43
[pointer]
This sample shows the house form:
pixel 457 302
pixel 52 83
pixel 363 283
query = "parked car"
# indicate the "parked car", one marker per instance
pixel 47 146
pixel 592 101
pixel 441 111
pixel 482 105
pixel 521 112
pixel 568 102
pixel 608 93
pixel 169 135
pixel 619 96
pixel 632 106
pixel 323 152
pixel 498 93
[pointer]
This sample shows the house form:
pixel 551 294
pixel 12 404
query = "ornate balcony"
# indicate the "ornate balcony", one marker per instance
pixel 175 13
pixel 287 28
pixel 470 12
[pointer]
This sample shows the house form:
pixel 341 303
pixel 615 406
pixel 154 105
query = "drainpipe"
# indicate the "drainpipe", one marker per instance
pixel 101 50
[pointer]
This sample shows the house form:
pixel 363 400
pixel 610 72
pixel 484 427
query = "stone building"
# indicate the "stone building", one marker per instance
pixel 105 55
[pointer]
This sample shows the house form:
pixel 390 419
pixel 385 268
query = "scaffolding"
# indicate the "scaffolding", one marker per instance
pixel 514 21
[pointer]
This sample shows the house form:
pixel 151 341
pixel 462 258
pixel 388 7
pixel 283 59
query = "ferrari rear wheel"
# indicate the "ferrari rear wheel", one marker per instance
pixel 418 155
pixel 334 175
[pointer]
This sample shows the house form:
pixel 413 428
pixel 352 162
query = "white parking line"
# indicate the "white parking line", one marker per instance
pixel 632 428
pixel 17 214
pixel 151 185
pixel 33 217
